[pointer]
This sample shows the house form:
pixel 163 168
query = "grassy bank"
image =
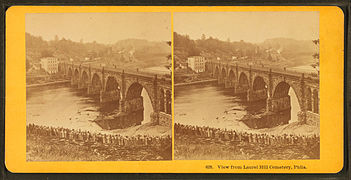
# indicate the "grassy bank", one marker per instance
pixel 43 148
pixel 197 148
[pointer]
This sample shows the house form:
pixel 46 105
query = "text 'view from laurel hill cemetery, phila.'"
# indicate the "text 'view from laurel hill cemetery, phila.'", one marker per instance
pixel 98 86
pixel 246 85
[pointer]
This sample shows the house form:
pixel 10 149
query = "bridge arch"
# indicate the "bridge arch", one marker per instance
pixel 111 95
pixel 112 84
pixel 84 79
pixel 243 80
pixel 76 73
pixel 287 98
pixel 69 72
pixel 231 75
pixel 243 84
pixel 281 90
pixel 96 84
pixel 231 78
pixel 137 98
pixel 134 90
pixel 259 83
pixel 96 80
pixel 223 73
pixel 75 77
pixel 216 72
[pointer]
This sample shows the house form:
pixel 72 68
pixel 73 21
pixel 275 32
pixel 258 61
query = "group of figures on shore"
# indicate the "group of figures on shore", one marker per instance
pixel 86 136
pixel 209 143
pixel 244 137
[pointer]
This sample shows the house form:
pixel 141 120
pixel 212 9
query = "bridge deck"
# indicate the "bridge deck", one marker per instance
pixel 130 72
pixel 277 71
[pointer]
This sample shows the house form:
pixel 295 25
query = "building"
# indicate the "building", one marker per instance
pixel 49 64
pixel 196 63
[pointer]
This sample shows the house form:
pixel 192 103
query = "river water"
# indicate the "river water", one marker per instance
pixel 203 105
pixel 64 106
pixel 215 106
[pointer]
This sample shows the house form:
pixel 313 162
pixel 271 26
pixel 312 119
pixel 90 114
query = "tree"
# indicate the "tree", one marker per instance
pixel 316 56
pixel 46 53
pixel 169 56
pixel 203 37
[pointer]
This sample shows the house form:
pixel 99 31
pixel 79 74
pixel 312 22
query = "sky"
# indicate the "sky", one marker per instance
pixel 104 28
pixel 252 27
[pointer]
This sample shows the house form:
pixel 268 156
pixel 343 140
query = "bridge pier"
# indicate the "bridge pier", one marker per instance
pixel 256 95
pixel 74 81
pixel 277 113
pixel 131 113
pixel 91 90
pixel 108 96
pixel 221 80
pixel 82 85
pixel 228 83
pixel 280 109
pixel 161 118
pixel 134 109
pixel 240 89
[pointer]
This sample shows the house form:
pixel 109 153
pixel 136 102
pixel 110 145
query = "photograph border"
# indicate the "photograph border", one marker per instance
pixel 331 77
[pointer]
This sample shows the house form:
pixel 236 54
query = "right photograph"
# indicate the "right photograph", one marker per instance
pixel 246 85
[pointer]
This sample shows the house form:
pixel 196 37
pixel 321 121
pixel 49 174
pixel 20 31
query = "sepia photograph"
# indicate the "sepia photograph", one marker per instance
pixel 246 85
pixel 98 86
pixel 175 89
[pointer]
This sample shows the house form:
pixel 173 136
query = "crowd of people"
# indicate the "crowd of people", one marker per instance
pixel 181 130
pixel 86 136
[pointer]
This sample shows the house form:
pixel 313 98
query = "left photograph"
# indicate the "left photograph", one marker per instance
pixel 99 86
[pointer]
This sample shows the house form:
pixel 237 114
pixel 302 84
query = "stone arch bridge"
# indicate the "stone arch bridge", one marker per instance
pixel 122 90
pixel 271 86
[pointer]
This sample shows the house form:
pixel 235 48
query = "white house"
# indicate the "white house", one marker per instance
pixel 196 63
pixel 49 64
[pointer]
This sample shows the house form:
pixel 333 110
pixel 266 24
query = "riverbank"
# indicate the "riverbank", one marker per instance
pixel 48 83
pixel 198 148
pixel 60 144
pixel 147 129
pixel 41 148
pixel 206 143
pixel 196 82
